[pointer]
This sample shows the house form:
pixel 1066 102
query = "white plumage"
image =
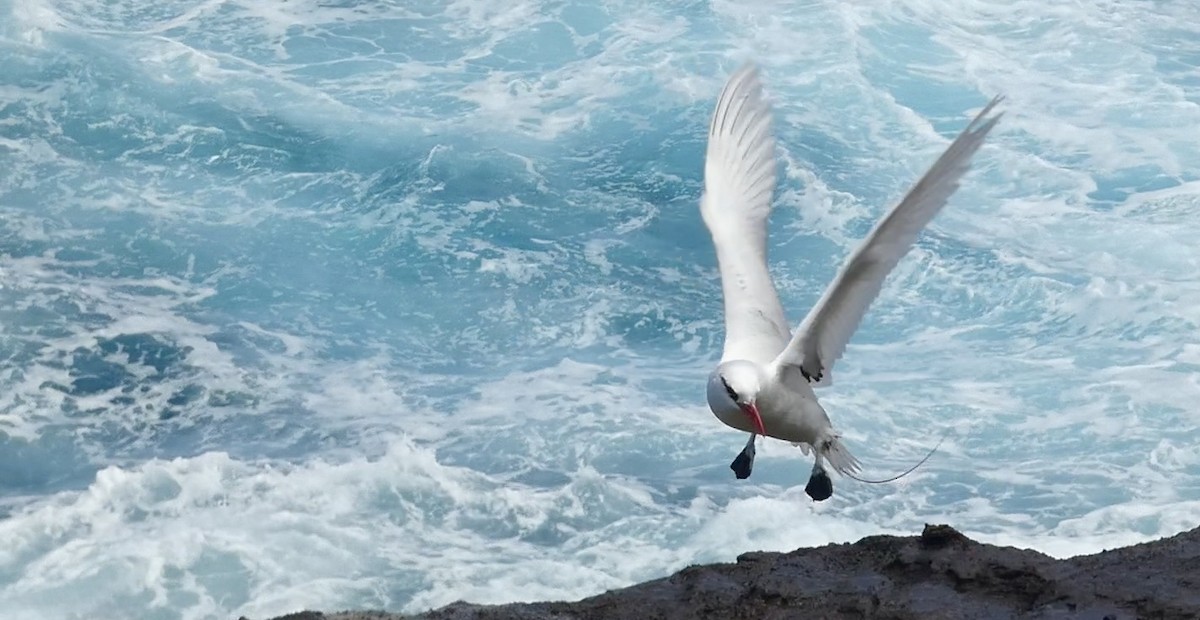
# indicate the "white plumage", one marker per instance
pixel 765 379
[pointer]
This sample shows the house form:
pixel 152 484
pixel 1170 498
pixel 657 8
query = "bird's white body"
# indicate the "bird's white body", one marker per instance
pixel 767 372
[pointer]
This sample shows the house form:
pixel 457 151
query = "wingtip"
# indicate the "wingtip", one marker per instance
pixel 742 86
pixel 747 71
pixel 746 76
pixel 991 105
pixel 747 66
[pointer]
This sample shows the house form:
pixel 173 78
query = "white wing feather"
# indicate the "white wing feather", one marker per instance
pixel 822 336
pixel 739 185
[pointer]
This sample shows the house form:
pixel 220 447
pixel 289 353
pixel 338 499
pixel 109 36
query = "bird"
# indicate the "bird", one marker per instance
pixel 764 383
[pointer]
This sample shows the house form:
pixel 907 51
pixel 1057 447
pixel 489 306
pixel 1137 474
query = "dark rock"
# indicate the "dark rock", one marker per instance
pixel 941 574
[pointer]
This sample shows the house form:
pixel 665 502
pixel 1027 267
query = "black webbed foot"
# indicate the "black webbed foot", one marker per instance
pixel 742 465
pixel 819 487
pixel 811 378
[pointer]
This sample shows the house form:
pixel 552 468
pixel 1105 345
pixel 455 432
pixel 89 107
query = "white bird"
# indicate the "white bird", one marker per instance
pixel 764 382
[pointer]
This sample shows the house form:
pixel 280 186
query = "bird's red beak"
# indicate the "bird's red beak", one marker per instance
pixel 752 411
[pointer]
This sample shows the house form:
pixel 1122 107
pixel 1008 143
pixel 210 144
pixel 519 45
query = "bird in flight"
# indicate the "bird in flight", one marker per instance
pixel 764 382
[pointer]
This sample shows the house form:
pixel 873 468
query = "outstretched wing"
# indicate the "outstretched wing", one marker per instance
pixel 739 185
pixel 822 336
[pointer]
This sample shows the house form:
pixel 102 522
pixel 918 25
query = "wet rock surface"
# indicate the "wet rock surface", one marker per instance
pixel 940 574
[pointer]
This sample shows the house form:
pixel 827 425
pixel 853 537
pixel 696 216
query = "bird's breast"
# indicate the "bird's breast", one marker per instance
pixel 791 415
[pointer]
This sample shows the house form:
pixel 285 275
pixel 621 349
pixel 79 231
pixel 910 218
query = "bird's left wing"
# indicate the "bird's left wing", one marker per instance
pixel 739 183
pixel 822 336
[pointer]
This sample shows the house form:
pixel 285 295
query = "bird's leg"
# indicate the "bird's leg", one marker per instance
pixel 744 462
pixel 819 486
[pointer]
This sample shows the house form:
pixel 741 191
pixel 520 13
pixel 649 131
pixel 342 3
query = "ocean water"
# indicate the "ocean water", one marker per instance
pixel 332 304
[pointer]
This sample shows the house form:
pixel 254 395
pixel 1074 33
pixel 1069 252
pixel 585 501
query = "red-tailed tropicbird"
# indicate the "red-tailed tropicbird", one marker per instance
pixel 764 383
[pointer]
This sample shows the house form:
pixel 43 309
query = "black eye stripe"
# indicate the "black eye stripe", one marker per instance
pixel 728 390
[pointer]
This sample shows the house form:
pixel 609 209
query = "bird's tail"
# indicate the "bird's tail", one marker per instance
pixel 839 457
pixel 845 464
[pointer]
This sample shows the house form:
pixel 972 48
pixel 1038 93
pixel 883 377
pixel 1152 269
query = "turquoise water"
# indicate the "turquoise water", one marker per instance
pixel 322 304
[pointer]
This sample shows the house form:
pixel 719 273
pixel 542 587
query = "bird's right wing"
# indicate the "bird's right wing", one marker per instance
pixel 739 185
pixel 822 336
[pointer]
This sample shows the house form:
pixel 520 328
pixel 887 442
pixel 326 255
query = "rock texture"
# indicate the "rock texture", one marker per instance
pixel 939 575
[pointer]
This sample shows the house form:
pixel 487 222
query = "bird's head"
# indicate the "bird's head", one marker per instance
pixel 737 383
